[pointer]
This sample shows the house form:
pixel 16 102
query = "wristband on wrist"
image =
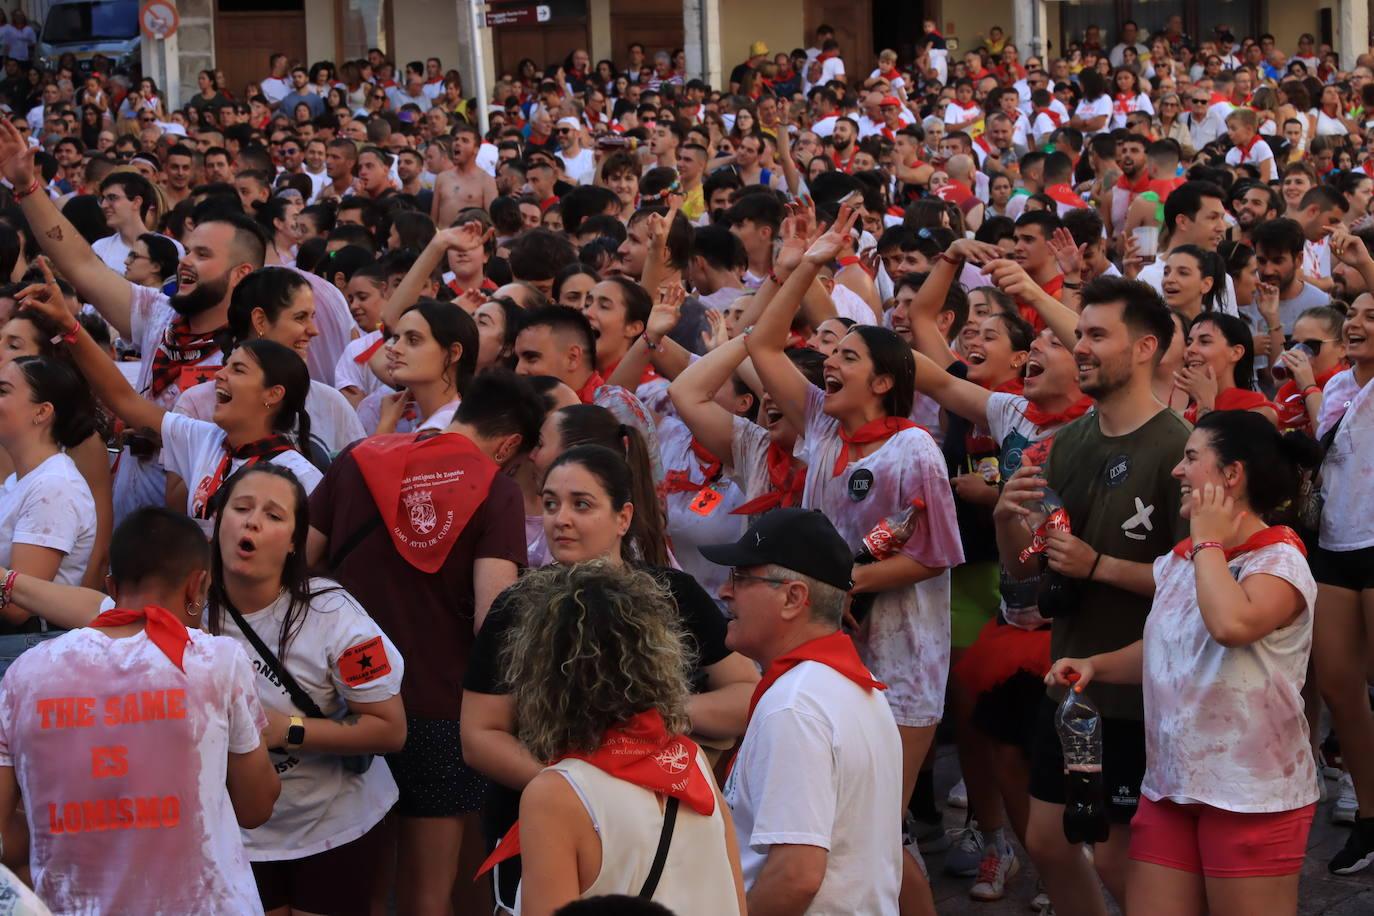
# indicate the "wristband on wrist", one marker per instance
pixel 1310 390
pixel 1097 559
pixel 7 590
pixel 1203 546
pixel 68 337
pixel 949 258
pixel 649 343
pixel 1075 286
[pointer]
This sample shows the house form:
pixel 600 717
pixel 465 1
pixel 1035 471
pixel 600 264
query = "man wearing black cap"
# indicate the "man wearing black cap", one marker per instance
pixel 818 776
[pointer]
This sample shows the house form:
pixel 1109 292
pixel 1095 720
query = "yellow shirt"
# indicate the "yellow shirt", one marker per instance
pixel 694 204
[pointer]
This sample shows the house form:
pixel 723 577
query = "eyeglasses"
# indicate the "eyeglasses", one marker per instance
pixel 1198 101
pixel 133 256
pixel 736 577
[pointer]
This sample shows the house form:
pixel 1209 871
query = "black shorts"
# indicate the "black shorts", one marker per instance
pixel 430 772
pixel 1349 569
pixel 1123 762
pixel 337 881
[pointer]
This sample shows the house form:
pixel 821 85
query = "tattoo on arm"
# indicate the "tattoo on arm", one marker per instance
pixel 350 720
pixel 55 233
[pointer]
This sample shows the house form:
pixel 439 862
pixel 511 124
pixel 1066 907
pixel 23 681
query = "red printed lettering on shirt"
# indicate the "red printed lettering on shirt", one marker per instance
pixel 364 663
pixel 66 712
pixel 146 813
pixel 147 706
pixel 109 761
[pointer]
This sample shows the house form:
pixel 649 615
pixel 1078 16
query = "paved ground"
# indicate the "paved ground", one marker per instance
pixel 1323 894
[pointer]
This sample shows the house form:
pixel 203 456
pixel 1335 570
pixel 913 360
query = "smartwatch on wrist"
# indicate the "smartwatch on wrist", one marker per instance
pixel 295 733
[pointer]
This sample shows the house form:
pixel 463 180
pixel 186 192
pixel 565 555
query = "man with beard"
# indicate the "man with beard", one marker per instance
pixel 843 144
pixel 176 336
pixel 1278 256
pixel 998 151
pixel 1112 469
pixel 1352 269
pixel 1134 180
pixel 1252 205
pixel 747 165
pixel 1161 165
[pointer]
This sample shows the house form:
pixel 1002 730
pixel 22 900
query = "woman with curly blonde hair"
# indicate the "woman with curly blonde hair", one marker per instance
pixel 599 667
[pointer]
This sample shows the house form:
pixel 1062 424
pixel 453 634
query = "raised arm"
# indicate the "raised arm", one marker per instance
pixel 107 382
pixel 958 396
pixel 66 606
pixel 1013 280
pixel 95 283
pixel 459 238
pixel 694 396
pixel 654 347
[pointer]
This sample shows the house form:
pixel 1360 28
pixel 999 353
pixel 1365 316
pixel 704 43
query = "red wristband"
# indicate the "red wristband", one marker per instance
pixel 1203 546
pixel 34 186
pixel 69 336
pixel 1311 389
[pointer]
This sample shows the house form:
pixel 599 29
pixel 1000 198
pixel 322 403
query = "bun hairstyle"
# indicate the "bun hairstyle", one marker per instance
pixel 55 382
pixel 268 288
pixel 1273 461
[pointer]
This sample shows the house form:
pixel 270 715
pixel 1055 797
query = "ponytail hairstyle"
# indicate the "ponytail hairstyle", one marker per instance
pixel 283 366
pixel 1019 331
pixel 268 288
pixel 1237 334
pixel 1332 316
pixel 1211 265
pixel 55 382
pixel 267 212
pixel 449 325
pixel 587 424
pixel 1273 461
pixel 891 356
pixel 610 469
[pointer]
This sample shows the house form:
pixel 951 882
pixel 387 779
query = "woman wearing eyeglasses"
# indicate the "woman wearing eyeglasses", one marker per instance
pixel 1170 125
pixel 1317 354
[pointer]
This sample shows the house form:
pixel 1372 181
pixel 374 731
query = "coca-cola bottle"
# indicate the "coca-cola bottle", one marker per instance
pixel 1080 735
pixel 886 538
pixel 1056 595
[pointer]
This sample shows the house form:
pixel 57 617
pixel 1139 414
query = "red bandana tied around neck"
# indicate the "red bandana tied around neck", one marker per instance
pixel 1245 150
pixel 1140 185
pixel 426 490
pixel 1043 418
pixel 1166 186
pixel 1015 385
pixel 1063 194
pixel 1274 534
pixel 680 481
pixel 827 55
pixel 371 350
pixel 642 753
pixel 1055 117
pixel 250 453
pixel 162 627
pixel 1232 399
pixel 587 392
pixel 180 347
pixel 873 431
pixel 834 651
pixel 786 482
pixel 966 106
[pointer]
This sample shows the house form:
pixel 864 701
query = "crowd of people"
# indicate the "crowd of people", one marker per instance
pixel 626 493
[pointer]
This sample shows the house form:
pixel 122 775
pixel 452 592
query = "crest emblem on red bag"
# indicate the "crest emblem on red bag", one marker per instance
pixel 420 504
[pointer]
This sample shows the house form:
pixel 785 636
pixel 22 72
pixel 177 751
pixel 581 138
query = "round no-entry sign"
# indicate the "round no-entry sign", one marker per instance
pixel 159 18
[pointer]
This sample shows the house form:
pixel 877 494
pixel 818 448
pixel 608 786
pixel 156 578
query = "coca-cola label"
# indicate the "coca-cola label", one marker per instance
pixel 1057 521
pixel 860 484
pixel 880 541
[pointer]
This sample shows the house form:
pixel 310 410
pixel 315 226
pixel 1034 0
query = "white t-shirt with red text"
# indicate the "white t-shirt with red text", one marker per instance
pixel 121 760
pixel 1226 727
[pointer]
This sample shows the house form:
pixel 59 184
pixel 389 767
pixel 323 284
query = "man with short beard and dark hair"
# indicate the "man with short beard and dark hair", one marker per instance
pixel 1112 469
pixel 1253 204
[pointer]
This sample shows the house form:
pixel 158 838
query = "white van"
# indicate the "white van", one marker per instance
pixel 85 28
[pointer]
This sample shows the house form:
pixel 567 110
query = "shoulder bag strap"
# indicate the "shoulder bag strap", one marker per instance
pixel 297 694
pixel 665 840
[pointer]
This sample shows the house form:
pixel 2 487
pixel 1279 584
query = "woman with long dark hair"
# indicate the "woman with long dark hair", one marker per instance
pixel 1094 112
pixel 259 412
pixel 431 355
pixel 277 217
pixel 330 683
pixel 1218 368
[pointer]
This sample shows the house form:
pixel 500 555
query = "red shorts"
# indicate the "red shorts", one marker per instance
pixel 1220 844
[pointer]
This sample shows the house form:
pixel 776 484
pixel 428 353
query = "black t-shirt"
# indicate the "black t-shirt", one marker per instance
pixel 701 618
pixel 738 74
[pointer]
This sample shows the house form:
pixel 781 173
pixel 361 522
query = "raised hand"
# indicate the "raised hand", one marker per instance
pixel 828 245
pixel 46 297
pixel 1349 248
pixel 1213 515
pixel 1201 384
pixel 666 313
pixel 16 156
pixel 1011 278
pixel 974 252
pixel 1267 302
pixel 717 333
pixel 464 237
pixel 1067 252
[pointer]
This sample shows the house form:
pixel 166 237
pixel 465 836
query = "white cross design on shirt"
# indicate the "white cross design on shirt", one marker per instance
pixel 1141 517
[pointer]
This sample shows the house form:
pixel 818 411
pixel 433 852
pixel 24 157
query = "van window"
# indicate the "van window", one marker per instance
pixel 95 21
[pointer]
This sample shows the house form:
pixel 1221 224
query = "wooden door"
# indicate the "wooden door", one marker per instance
pixel 656 24
pixel 852 21
pixel 245 39
pixel 544 44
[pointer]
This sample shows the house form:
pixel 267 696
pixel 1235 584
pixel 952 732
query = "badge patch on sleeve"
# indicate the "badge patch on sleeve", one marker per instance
pixel 364 663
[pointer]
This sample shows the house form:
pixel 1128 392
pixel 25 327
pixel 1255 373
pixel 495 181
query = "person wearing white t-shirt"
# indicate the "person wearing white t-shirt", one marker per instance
pixel 813 787
pixel 314 854
pixel 1226 737
pixel 1094 112
pixel 20 38
pixel 276 85
pixel 47 513
pixel 579 163
pixel 135 743
pixel 125 198
pixel 832 66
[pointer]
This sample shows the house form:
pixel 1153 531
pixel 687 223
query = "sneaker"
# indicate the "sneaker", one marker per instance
pixel 1347 805
pixel 927 836
pixel 1332 763
pixel 958 796
pixel 999 866
pixel 966 851
pixel 1041 901
pixel 1358 851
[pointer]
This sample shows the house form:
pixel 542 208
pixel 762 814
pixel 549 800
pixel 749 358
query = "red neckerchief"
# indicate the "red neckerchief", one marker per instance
pixel 1044 418
pixel 588 389
pixel 1053 115
pixel 486 286
pixel 877 430
pixel 180 347
pixel 1274 534
pixel 1233 399
pixel 1139 185
pixel 680 481
pixel 641 752
pixel 1165 186
pixel 888 74
pixel 1054 287
pixel 645 377
pixel 250 453
pixel 1015 385
pixel 966 106
pixel 835 651
pixel 1245 150
pixel 827 55
pixel 161 625
pixel 982 143
pixel 889 133
pixel 1292 406
pixel 371 350
pixel 850 260
pixel 845 166
pixel 548 202
pixel 1368 167
pixel 426 488
pixel 786 479
pixel 1063 194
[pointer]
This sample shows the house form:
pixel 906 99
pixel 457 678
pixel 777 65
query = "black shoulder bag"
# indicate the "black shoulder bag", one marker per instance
pixel 352 763
pixel 665 840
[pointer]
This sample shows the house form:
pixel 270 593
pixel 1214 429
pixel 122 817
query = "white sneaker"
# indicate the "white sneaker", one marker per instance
pixel 1041 901
pixel 999 866
pixel 958 796
pixel 965 856
pixel 1347 805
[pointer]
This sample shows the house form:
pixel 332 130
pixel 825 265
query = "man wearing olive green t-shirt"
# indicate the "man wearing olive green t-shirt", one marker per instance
pixel 1111 469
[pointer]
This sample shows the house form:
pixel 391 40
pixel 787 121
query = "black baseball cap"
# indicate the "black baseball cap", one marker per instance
pixel 802 540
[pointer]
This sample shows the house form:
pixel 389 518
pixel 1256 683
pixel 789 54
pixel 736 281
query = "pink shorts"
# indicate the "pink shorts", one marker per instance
pixel 1220 844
